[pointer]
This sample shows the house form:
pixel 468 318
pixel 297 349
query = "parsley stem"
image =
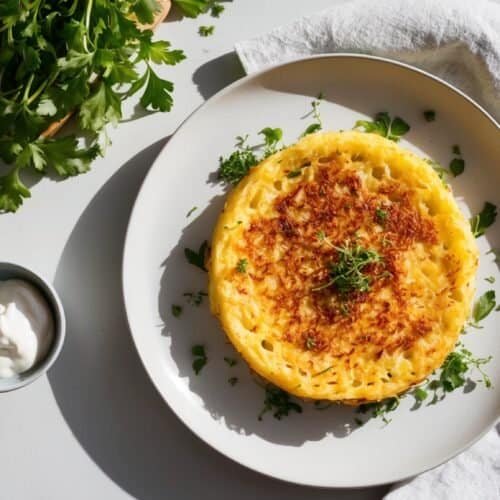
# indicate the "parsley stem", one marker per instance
pixel 86 37
pixel 41 88
pixel 28 87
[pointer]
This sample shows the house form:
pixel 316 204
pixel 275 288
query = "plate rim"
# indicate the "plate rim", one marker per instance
pixel 127 244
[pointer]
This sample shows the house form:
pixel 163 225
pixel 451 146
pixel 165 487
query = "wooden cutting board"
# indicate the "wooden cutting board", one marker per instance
pixel 160 16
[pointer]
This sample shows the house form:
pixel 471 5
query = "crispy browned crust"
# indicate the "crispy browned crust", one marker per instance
pixel 53 128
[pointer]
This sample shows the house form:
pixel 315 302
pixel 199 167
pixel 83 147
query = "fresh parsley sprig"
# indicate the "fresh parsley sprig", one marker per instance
pixel 197 258
pixel 484 219
pixel 55 59
pixel 279 402
pixel 384 125
pixel 200 358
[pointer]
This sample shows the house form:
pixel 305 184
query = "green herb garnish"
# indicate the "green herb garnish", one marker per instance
pixel 439 169
pixel 381 408
pixel 294 173
pixel 236 166
pixel 279 402
pixel 195 299
pixel 490 279
pixel 57 58
pixel 191 211
pixel 381 215
pixel 383 125
pixel 429 115
pixel 206 30
pixel 197 258
pixel 457 166
pixel 483 306
pixel 420 394
pixel 193 8
pixel 176 310
pixel 200 358
pixel 310 343
pixel 347 273
pixel 315 113
pixel 230 361
pixel 232 380
pixel 241 266
pixel 480 222
pixel 272 136
pixel 217 9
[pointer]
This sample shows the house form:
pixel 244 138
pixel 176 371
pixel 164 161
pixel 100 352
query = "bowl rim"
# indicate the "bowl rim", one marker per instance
pixel 45 287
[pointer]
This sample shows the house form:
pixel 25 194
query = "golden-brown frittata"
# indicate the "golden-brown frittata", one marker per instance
pixel 341 268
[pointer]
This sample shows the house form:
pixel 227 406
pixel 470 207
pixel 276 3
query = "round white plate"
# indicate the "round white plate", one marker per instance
pixel 320 448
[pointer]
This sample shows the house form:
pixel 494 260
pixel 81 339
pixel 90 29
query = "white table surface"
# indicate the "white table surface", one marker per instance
pixel 95 426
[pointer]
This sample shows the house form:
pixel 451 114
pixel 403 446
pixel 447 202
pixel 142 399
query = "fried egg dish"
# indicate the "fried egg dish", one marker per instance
pixel 342 269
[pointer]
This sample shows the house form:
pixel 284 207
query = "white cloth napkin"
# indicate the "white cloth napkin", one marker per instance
pixel 458 40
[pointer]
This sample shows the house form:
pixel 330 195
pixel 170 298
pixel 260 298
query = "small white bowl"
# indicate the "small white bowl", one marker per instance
pixel 9 271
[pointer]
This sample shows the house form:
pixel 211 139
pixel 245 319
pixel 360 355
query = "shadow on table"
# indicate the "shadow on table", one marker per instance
pixel 217 74
pixel 103 391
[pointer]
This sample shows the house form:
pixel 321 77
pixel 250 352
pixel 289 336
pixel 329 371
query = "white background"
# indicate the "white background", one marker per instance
pixel 95 427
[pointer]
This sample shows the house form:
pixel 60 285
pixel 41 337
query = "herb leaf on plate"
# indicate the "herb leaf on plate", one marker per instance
pixel 197 258
pixel 484 219
pixel 385 126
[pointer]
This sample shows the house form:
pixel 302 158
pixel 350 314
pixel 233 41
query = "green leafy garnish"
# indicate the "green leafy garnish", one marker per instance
pixel 455 368
pixel 429 115
pixel 490 279
pixel 420 394
pixel 62 57
pixel 236 166
pixel 315 113
pixel 176 310
pixel 381 408
pixel 193 8
pixel 310 343
pixel 294 173
pixel 195 299
pixel 272 136
pixel 217 9
pixel 191 211
pixel 347 273
pixel 200 358
pixel 480 222
pixel 483 306
pixel 230 361
pixel 197 258
pixel 206 30
pixel 457 166
pixel 232 380
pixel 279 402
pixel 241 266
pixel 439 169
pixel 383 125
pixel 381 215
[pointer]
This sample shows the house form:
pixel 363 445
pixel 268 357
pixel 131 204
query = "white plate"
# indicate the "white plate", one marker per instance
pixel 320 448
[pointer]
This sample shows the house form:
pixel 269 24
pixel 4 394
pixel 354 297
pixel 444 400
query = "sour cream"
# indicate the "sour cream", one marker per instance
pixel 26 327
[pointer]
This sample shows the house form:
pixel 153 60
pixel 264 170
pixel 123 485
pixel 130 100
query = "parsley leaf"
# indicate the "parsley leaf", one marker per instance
pixel 347 273
pixel 480 222
pixel 279 402
pixel 484 305
pixel 12 191
pixel 176 310
pixel 200 358
pixel 206 30
pixel 271 138
pixel 217 9
pixel 241 266
pixel 193 8
pixel 236 166
pixel 197 258
pixel 457 166
pixel 383 125
pixel 429 115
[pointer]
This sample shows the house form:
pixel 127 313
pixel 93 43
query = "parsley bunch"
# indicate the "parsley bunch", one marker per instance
pixel 60 56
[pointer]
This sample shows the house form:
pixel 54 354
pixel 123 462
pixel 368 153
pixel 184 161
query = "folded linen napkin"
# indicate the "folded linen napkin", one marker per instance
pixel 459 41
